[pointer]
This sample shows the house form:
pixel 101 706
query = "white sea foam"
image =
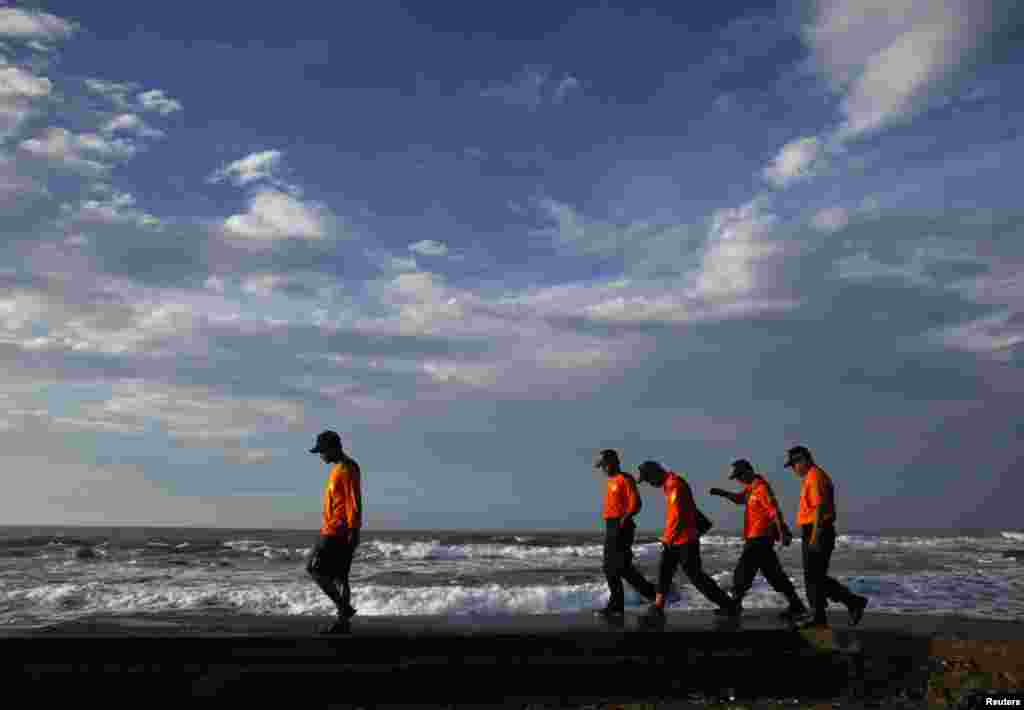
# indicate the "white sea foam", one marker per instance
pixel 975 594
pixel 268 551
pixel 1015 536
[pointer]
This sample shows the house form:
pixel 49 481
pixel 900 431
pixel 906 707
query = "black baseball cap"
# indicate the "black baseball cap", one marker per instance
pixel 739 467
pixel 797 454
pixel 326 441
pixel 606 455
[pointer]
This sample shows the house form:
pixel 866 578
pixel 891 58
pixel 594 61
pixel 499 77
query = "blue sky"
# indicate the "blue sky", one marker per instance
pixel 483 243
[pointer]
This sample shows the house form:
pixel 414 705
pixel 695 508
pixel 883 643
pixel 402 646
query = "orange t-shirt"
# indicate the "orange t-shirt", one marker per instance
pixel 762 510
pixel 621 497
pixel 816 491
pixel 680 511
pixel 343 499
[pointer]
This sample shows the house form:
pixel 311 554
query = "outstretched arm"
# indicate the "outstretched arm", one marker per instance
pixel 737 498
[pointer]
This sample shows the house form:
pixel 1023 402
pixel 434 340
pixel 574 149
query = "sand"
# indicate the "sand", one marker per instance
pixel 514 661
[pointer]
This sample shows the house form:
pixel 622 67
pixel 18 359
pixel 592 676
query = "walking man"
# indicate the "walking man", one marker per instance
pixel 621 505
pixel 680 543
pixel 763 524
pixel 331 558
pixel 817 519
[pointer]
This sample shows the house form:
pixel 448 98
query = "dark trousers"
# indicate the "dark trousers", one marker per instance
pixel 820 587
pixel 688 557
pixel 618 564
pixel 759 556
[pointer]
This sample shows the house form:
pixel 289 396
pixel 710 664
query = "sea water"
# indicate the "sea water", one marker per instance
pixel 53 574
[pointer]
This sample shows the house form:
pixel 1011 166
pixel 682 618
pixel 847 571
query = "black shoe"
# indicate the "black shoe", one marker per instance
pixel 793 613
pixel 733 611
pixel 857 610
pixel 341 626
pixel 346 612
pixel 653 616
pixel 609 613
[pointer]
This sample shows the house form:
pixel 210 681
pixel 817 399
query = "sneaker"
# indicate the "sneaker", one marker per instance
pixel 857 610
pixel 347 612
pixel 340 626
pixel 793 613
pixel 653 616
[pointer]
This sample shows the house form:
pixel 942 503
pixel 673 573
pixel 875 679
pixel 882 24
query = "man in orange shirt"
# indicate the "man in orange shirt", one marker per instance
pixel 817 518
pixel 621 505
pixel 681 543
pixel 762 526
pixel 331 558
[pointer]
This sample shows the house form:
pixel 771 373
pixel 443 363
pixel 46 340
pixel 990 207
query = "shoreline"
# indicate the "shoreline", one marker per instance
pixel 517 661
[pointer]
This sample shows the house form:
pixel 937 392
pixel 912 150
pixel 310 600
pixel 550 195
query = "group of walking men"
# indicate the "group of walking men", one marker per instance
pixel 763 525
pixel 331 559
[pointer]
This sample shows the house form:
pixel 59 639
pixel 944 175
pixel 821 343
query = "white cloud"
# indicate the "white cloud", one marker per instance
pixel 131 123
pixel 429 247
pixel 15 81
pixel 398 263
pixel 19 89
pixel 157 100
pixel 110 148
pixel 737 244
pixel 115 208
pixel 472 374
pixel 1003 285
pixel 215 283
pixel 249 456
pixel 562 359
pixel 641 308
pixel 62 146
pixel 273 216
pixel 831 219
pixel 193 414
pixel 115 92
pixel 32 24
pixel 888 56
pixel 425 305
pixel 257 166
pixel 994 336
pixel 89 317
pixel 568 228
pixel 794 161
pixel 263 284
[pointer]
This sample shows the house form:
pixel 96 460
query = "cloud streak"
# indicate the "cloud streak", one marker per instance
pixel 887 58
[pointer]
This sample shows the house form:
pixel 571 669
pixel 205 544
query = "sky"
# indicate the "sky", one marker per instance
pixel 482 243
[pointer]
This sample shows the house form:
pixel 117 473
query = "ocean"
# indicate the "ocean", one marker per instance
pixel 56 574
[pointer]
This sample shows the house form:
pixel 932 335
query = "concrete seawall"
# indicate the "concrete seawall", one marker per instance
pixel 567 660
